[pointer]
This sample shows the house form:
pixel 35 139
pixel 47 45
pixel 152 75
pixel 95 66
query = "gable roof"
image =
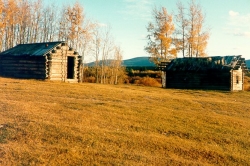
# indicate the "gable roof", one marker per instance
pixel 207 63
pixel 33 49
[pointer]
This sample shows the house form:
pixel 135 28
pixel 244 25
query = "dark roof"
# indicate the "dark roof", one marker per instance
pixel 206 63
pixel 33 49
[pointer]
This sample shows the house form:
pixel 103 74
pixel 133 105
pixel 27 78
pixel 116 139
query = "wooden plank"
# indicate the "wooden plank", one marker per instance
pixel 16 69
pixel 25 75
pixel 24 65
pixel 57 74
pixel 22 62
pixel 58 60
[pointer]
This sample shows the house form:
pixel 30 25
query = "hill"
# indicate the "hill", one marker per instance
pixel 248 63
pixel 139 61
pixel 52 123
pixel 144 62
pixel 133 62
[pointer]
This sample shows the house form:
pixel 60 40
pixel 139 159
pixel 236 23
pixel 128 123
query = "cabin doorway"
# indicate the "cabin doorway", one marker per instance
pixel 70 67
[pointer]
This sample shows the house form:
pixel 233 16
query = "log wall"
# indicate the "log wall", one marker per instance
pixel 195 80
pixel 23 67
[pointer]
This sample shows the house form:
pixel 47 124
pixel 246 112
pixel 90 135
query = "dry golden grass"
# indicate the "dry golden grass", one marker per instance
pixel 49 123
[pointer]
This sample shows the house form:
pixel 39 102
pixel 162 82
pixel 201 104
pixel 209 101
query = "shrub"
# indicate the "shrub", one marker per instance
pixel 126 81
pixel 247 83
pixel 247 74
pixel 148 81
pixel 90 79
pixel 134 80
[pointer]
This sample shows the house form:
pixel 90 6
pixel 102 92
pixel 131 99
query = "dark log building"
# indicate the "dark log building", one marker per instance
pixel 216 73
pixel 47 61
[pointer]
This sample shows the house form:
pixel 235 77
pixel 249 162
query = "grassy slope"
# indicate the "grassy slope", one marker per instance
pixel 49 123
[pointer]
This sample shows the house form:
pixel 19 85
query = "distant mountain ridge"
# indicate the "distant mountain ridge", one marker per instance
pixel 138 61
pixel 133 62
pixel 144 62
pixel 248 63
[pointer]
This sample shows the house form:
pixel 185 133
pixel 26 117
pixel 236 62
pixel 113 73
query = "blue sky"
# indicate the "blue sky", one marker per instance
pixel 228 20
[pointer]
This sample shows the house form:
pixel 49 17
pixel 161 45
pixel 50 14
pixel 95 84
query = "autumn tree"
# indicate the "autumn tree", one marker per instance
pixel 2 24
pixel 10 21
pixel 36 21
pixel 197 34
pixel 96 46
pixel 190 35
pixel 160 38
pixel 71 27
pixel 116 69
pixel 63 25
pixel 182 26
pixel 107 46
pixel 102 47
pixel 23 21
pixel 75 18
pixel 107 57
pixel 76 29
pixel 85 41
pixel 49 23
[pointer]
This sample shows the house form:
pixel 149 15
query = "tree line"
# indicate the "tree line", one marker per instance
pixel 31 21
pixel 183 32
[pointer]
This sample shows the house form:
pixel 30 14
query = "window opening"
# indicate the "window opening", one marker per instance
pixel 237 79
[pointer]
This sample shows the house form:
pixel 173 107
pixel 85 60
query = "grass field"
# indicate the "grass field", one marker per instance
pixel 51 123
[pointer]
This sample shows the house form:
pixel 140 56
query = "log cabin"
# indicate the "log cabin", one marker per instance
pixel 47 61
pixel 214 73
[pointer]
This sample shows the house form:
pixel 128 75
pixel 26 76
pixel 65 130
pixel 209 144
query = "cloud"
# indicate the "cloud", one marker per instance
pixel 233 13
pixel 238 24
pixel 244 34
pixel 237 48
pixel 240 19
pixel 138 9
pixel 102 25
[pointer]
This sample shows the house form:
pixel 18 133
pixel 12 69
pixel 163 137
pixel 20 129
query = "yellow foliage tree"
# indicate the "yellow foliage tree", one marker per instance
pixel 74 16
pixel 160 39
pixel 197 36
pixel 191 31
pixel 10 21
pixel 2 24
pixel 181 30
